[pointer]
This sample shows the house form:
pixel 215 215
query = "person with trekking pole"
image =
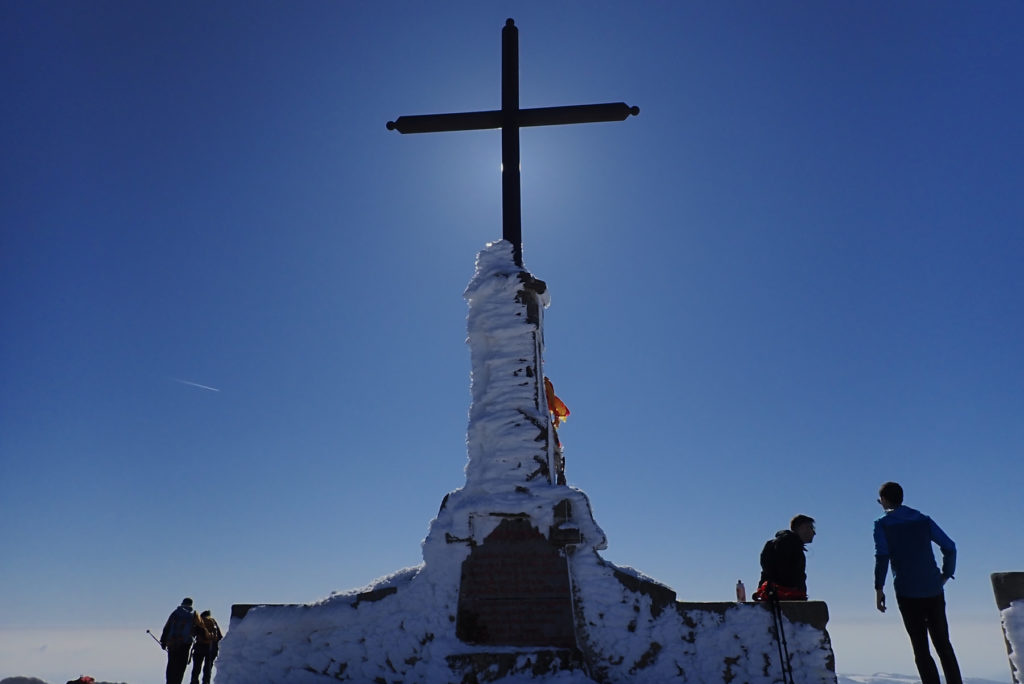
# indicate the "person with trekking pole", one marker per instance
pixel 176 639
pixel 784 578
pixel 903 538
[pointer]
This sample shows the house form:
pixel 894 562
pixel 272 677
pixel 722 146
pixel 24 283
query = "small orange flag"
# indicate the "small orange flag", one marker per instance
pixel 559 411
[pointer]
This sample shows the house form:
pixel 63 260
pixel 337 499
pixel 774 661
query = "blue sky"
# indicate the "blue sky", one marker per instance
pixel 797 274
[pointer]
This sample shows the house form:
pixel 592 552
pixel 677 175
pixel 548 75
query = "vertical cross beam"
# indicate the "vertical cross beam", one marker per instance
pixel 511 207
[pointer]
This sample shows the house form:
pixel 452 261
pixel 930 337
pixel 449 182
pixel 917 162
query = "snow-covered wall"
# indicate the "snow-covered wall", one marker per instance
pixel 1009 591
pixel 633 630
pixel 630 629
pixel 512 586
pixel 1013 628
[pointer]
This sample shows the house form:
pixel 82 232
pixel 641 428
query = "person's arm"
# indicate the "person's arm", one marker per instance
pixel 881 564
pixel 163 634
pixel 948 549
pixel 767 571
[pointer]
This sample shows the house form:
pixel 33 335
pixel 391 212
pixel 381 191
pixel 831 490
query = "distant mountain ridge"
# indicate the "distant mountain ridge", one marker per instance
pixel 889 678
pixel 36 680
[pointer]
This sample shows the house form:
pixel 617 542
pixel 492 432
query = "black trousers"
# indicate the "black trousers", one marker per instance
pixel 203 656
pixel 177 661
pixel 924 617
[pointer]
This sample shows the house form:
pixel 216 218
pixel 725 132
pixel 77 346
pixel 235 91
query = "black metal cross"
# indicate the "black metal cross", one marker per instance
pixel 510 118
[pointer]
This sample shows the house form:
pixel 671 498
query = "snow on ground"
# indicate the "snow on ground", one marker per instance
pixel 1013 627
pixel 562 678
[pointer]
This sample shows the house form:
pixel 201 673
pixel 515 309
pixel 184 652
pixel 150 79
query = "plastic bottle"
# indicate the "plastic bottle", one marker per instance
pixel 741 591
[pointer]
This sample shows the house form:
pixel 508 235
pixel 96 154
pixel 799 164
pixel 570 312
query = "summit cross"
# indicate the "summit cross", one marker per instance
pixel 510 118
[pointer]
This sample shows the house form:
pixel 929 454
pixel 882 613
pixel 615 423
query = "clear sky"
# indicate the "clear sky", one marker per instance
pixel 233 349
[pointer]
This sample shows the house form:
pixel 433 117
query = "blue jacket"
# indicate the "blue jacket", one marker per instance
pixel 904 537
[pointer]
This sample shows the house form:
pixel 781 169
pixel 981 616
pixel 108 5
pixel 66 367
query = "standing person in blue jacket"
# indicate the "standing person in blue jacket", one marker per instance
pixel 903 537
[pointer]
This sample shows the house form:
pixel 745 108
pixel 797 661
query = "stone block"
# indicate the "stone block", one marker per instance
pixel 515 591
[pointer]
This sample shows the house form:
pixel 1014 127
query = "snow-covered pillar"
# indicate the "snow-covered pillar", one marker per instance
pixel 509 427
pixel 1008 588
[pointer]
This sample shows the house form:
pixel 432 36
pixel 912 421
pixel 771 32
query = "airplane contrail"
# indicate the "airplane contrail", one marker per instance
pixel 196 384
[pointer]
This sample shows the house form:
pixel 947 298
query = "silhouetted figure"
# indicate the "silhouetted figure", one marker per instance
pixel 783 563
pixel 205 650
pixel 903 537
pixel 176 639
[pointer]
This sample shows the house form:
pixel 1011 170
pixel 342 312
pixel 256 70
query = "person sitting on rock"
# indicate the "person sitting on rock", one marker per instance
pixel 784 563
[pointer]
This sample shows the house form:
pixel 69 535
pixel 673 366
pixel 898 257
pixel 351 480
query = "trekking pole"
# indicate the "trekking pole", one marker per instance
pixel 786 664
pixel 780 636
pixel 154 638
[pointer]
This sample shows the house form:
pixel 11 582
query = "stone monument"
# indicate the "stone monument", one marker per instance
pixel 512 583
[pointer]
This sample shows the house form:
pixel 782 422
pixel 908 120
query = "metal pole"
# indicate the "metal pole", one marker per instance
pixel 154 638
pixel 511 213
pixel 780 636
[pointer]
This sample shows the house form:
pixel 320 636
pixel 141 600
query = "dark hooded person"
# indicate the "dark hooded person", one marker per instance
pixel 784 563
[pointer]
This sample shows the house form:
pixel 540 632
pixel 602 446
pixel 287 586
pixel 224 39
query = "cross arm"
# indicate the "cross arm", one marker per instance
pixel 437 123
pixel 593 113
pixel 539 116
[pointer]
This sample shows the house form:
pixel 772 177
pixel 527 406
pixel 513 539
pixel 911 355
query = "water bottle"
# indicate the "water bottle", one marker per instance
pixel 741 591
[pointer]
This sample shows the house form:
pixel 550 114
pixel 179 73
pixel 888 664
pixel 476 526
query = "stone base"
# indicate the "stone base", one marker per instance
pixel 694 642
pixel 517 591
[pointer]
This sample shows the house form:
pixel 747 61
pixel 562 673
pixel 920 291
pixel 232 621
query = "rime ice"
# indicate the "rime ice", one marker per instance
pixel 555 611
